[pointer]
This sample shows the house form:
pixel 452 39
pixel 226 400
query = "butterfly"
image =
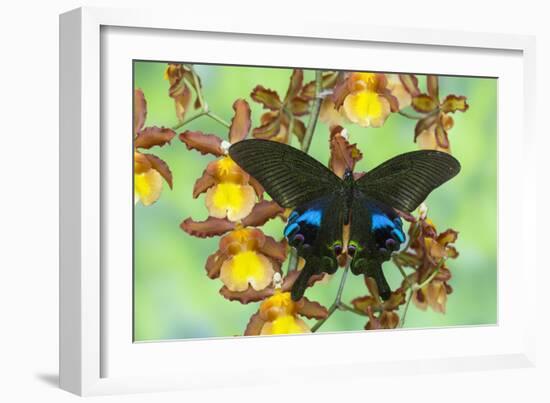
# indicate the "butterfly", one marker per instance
pixel 332 215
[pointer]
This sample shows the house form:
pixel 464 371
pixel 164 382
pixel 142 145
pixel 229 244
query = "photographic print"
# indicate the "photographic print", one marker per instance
pixel 273 201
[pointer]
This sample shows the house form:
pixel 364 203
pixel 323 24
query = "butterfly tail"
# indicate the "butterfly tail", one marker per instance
pixel 300 285
pixel 374 270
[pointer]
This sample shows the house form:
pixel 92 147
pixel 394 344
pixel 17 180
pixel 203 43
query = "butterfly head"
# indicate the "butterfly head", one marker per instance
pixel 348 175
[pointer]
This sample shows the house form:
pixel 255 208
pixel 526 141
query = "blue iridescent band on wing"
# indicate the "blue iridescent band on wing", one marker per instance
pixel 386 227
pixel 304 223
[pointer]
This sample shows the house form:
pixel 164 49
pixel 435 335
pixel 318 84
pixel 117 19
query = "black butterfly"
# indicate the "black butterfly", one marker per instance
pixel 323 204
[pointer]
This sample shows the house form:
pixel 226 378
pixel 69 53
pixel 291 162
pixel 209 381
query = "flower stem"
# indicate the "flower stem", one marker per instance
pixel 345 307
pixel 415 287
pixel 314 113
pixel 188 120
pixel 292 260
pixel 198 88
pixel 212 115
pixel 409 116
pixel 337 301
pixel 204 111
pixel 411 292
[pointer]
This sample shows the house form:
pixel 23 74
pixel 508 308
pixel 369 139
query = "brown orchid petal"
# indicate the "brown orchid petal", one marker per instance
pixel 254 326
pixel 242 239
pixel 268 98
pixel 140 110
pixel 396 299
pixel 398 90
pixel 410 82
pixel 407 259
pixel 271 126
pixel 453 103
pixel 433 87
pixel 424 103
pixel 161 167
pixel 372 287
pixel 182 100
pixel 262 212
pixel 436 294
pixel 443 274
pixel 373 323
pixel 328 80
pixel 308 90
pixel 340 92
pixel 447 237
pixel 329 115
pixel 299 129
pixel 274 249
pixel 343 155
pixel 204 143
pixel 141 163
pixel 452 253
pixel 214 264
pixel 154 136
pixel 362 303
pixel 208 228
pixel 419 300
pixel 291 277
pixel 258 188
pixel 247 296
pixel 226 170
pixel 240 124
pixel 358 175
pixel 173 73
pixel 389 320
pixel 205 182
pixel 299 106
pixel 295 84
pixel 441 136
pixel 448 289
pixel 311 309
pixel 392 100
pixel 425 124
pixel 426 140
pixel 435 249
pixel 406 216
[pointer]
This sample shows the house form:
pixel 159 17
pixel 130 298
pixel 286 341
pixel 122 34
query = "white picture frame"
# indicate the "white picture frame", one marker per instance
pixel 97 355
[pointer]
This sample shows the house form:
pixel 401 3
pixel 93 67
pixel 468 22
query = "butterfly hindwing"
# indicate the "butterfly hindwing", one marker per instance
pixel 289 176
pixel 313 229
pixel 376 231
pixel 405 181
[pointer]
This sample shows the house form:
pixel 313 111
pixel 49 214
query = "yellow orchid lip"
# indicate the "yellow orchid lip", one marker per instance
pixel 247 268
pixel 147 187
pixel 230 200
pixel 285 324
pixel 366 108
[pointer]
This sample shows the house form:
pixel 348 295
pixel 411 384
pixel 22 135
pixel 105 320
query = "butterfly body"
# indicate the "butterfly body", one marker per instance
pixel 333 215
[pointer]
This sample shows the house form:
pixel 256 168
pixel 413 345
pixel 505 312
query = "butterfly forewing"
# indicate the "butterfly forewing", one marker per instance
pixel 405 181
pixel 289 176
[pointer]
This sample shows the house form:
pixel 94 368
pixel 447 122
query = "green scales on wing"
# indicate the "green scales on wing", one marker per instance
pixel 323 204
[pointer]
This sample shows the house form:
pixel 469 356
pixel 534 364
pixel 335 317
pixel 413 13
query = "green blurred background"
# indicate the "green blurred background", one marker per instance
pixel 173 297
